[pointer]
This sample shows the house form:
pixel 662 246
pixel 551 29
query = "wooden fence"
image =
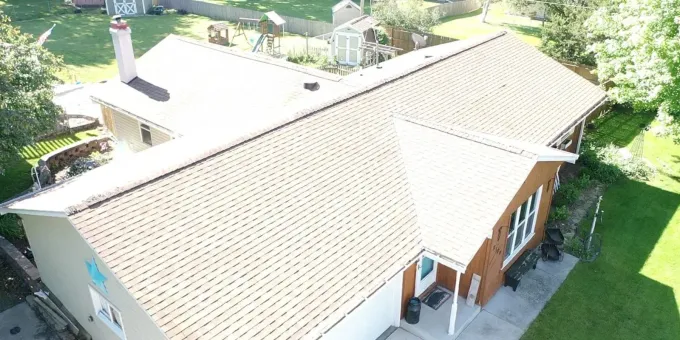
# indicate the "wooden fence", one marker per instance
pixel 229 13
pixel 89 3
pixel 341 70
pixel 402 39
pixel 457 7
pixel 584 71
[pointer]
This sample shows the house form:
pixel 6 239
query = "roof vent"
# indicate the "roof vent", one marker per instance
pixel 312 86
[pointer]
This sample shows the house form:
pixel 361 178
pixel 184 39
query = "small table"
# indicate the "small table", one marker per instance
pixel 514 274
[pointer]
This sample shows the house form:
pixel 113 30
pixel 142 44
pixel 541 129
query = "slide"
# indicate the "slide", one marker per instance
pixel 258 43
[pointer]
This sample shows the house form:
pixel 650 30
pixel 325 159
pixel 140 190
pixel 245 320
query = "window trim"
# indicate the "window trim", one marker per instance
pixel 145 127
pixel 517 250
pixel 99 307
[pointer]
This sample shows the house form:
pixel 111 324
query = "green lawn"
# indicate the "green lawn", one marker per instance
pixel 84 41
pixel 32 9
pixel 308 9
pixel 17 176
pixel 632 291
pixel 469 25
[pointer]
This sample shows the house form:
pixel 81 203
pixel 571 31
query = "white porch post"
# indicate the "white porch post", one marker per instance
pixel 580 136
pixel 454 306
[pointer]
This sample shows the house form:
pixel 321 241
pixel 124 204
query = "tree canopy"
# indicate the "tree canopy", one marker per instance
pixel 27 73
pixel 565 35
pixel 409 14
pixel 637 49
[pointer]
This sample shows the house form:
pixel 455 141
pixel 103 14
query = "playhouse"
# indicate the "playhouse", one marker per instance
pixel 271 29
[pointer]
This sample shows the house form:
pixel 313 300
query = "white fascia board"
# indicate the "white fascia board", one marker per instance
pixel 453 265
pixel 568 157
pixel 47 213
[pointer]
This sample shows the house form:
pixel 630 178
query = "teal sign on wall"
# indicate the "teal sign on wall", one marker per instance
pixel 97 277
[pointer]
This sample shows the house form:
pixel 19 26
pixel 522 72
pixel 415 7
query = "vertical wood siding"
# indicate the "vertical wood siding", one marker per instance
pixel 542 174
pixel 408 289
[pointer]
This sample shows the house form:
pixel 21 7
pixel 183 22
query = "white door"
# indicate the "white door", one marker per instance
pixel 426 274
pixel 348 49
pixel 125 7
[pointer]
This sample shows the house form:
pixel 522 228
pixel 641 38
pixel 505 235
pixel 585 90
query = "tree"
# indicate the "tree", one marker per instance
pixel 409 14
pixel 27 74
pixel 565 36
pixel 637 51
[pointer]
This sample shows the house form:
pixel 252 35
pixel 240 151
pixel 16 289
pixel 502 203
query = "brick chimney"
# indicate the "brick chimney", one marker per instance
pixel 122 44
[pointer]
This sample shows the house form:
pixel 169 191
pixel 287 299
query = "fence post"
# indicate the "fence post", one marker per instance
pixel 307 42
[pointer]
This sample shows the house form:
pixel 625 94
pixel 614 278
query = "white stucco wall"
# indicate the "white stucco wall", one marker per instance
pixel 60 253
pixel 372 317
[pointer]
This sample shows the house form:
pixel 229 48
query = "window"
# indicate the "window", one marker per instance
pixel 428 266
pixel 109 314
pixel 522 224
pixel 146 133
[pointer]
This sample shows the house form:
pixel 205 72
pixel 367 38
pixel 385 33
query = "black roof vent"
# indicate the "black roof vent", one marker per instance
pixel 312 86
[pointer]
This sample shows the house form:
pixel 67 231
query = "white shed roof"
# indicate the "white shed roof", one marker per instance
pixel 340 5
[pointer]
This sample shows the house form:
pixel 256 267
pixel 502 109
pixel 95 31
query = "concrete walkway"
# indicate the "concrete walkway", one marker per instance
pixel 29 326
pixel 509 314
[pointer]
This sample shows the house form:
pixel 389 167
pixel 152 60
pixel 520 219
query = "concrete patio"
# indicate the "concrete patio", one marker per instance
pixel 508 314
pixel 434 324
pixel 25 324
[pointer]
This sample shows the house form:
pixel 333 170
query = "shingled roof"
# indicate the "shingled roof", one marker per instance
pixel 329 201
pixel 184 85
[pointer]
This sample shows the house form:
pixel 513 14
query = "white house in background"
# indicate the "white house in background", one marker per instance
pixel 182 85
pixel 320 219
pixel 345 11
pixel 128 7
pixel 346 40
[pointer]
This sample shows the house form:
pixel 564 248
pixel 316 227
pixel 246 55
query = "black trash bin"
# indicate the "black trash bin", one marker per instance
pixel 413 311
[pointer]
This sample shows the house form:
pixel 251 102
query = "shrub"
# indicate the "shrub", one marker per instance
pixel 382 36
pixel 311 59
pixel 583 181
pixel 607 164
pixel 84 164
pixel 409 14
pixel 567 194
pixel 10 227
pixel 560 213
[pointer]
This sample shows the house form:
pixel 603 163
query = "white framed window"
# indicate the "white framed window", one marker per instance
pixel 522 226
pixel 106 312
pixel 145 132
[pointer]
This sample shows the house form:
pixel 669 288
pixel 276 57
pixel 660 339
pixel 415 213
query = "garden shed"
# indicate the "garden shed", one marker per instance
pixel 347 40
pixel 128 7
pixel 345 11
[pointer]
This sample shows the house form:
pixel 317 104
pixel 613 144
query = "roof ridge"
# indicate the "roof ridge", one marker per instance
pixel 473 136
pixel 259 58
pixel 219 145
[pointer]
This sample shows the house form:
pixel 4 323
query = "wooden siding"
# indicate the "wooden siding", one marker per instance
pixel 574 139
pixel 126 130
pixel 446 277
pixel 107 116
pixel 408 287
pixel 542 174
